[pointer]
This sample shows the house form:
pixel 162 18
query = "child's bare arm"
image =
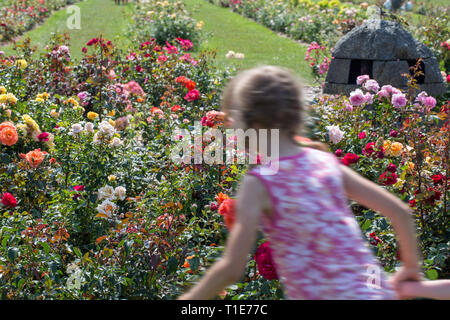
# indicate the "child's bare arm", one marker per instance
pixel 374 197
pixel 436 289
pixel 231 266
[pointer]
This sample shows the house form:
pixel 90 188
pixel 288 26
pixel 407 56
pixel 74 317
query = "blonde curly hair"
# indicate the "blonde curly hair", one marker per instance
pixel 268 96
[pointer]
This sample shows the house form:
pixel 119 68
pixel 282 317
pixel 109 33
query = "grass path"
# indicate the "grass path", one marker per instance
pixel 97 17
pixel 226 31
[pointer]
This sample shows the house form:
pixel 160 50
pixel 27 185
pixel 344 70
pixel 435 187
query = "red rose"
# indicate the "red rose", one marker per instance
pixel 79 188
pixel 437 178
pixel 264 262
pixel 227 210
pixel 192 95
pixel 213 206
pixel 350 158
pixel 8 200
pixel 369 149
pixel 388 178
pixel 43 137
pixel 393 133
pixel 391 168
pixel 374 240
pixel 362 135
pixel 338 153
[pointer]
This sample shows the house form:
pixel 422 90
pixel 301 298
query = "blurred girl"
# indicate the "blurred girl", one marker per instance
pixel 317 246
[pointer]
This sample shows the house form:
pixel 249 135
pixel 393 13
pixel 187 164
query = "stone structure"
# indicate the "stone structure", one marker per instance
pixel 383 50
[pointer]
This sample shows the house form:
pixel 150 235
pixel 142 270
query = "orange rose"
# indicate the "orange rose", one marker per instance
pixel 35 157
pixel 227 210
pixel 221 197
pixel 8 133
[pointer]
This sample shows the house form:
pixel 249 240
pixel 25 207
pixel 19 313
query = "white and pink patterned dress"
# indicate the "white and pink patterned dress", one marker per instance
pixel 318 248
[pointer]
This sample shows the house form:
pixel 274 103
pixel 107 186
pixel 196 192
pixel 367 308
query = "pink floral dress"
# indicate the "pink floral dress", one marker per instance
pixel 317 246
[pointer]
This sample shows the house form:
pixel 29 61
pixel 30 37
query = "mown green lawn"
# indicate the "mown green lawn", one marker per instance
pixel 225 31
pixel 97 17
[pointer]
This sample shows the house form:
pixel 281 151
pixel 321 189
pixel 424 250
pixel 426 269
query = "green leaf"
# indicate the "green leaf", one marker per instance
pixel 172 265
pixel 366 225
pixel 432 274
pixel 46 247
pixel 13 253
pixel 77 251
pixel 194 263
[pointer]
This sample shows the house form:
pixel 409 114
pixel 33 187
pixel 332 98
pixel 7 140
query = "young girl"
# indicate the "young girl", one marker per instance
pixel 317 246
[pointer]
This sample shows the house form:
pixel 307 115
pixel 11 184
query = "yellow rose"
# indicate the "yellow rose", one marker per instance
pixel 3 98
pixel 112 178
pixel 38 99
pixel 112 113
pixel 393 149
pixel 112 122
pixel 54 113
pixel 92 115
pixel 21 63
pixel 2 90
pixel 11 98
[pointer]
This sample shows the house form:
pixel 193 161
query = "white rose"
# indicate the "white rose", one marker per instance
pixel 105 128
pixel 107 207
pixel 107 192
pixel 89 127
pixel 116 142
pixel 120 192
pixel 335 134
pixel 229 55
pixel 76 129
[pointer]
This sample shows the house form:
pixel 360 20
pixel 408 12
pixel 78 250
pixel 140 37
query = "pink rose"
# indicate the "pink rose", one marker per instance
pixel 357 98
pixel 192 95
pixel 398 100
pixel 372 85
pixel 361 79
pixel 429 102
pixel 383 94
pixel 362 135
pixel 264 261
pixel 8 200
pixel 368 97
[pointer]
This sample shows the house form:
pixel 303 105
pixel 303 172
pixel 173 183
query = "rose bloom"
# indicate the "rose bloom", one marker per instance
pixel 362 135
pixel 79 188
pixel 398 100
pixel 335 134
pixel 8 200
pixel 388 178
pixel 264 261
pixel 437 178
pixel 8 134
pixel 35 157
pixel 372 85
pixel 350 158
pixel 383 94
pixel 357 98
pixel 92 115
pixel 361 79
pixel 393 133
pixel 393 149
pixel 338 153
pixel 192 95
pixel 391 168
pixel 227 210
pixel 221 197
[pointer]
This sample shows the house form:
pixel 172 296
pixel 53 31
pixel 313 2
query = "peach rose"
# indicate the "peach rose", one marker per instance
pixel 8 133
pixel 35 157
